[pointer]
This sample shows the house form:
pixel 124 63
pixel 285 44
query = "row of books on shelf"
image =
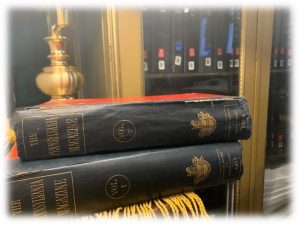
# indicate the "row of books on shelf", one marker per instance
pixel 279 121
pixel 191 40
pixel 281 43
pixel 86 156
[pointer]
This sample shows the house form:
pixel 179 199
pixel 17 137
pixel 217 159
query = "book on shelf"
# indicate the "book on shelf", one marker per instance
pixel 177 41
pixel 160 26
pixel 285 45
pixel 230 45
pixel 191 31
pixel 221 39
pixel 93 183
pixel 89 126
pixel 283 40
pixel 276 39
pixel 233 40
pixel 289 36
pixel 237 38
pixel 206 41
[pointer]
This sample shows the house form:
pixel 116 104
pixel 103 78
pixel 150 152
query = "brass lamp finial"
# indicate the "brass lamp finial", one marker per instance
pixel 59 80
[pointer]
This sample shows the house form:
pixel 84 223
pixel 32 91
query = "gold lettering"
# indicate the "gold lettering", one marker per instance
pixel 73 135
pixel 16 207
pixel 33 139
pixel 114 187
pixel 121 131
pixel 61 196
pixel 52 136
pixel 38 198
pixel 236 163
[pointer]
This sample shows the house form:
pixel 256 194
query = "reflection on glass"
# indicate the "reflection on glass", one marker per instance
pixel 277 186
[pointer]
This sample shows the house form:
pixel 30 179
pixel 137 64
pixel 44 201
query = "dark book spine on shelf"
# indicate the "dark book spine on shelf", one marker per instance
pixel 160 25
pixel 283 41
pixel 236 39
pixel 221 28
pixel 147 38
pixel 289 60
pixel 191 32
pixel 177 55
pixel 89 129
pixel 230 42
pixel 89 184
pixel 206 41
pixel 276 40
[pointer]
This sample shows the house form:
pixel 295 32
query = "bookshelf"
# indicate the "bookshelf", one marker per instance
pixel 189 75
pixel 225 83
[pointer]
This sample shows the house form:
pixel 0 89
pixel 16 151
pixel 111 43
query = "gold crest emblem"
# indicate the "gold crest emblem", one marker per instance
pixel 199 170
pixel 205 123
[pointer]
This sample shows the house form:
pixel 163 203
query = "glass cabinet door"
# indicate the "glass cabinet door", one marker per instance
pixel 277 184
pixel 191 50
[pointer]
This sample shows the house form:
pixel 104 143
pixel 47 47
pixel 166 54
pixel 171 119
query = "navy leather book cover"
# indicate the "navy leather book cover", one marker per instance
pixel 79 129
pixel 87 184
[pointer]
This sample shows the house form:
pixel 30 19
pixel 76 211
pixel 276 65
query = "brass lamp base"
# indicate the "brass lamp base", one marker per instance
pixel 59 80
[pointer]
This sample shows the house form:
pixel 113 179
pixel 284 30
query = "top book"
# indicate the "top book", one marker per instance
pixel 63 128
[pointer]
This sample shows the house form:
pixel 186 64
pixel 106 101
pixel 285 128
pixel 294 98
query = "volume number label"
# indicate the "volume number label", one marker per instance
pixel 220 65
pixel 178 60
pixel 191 65
pixel 207 61
pixel 161 65
pixel 117 186
pixel 124 131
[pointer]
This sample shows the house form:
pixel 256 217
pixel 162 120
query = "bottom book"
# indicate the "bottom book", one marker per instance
pixel 88 184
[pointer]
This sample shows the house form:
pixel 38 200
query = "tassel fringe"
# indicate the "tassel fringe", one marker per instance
pixel 187 206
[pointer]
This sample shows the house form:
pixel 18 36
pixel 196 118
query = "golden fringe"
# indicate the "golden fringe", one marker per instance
pixel 10 136
pixel 188 206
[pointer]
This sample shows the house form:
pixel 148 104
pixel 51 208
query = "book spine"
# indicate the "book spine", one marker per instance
pixel 276 40
pixel 283 42
pixel 92 184
pixel 177 54
pixel 230 41
pixel 206 42
pixel 237 38
pixel 191 30
pixel 90 129
pixel 160 25
pixel 221 27
pixel 289 59
pixel 289 27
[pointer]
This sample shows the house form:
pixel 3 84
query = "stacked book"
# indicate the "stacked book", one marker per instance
pixel 91 155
